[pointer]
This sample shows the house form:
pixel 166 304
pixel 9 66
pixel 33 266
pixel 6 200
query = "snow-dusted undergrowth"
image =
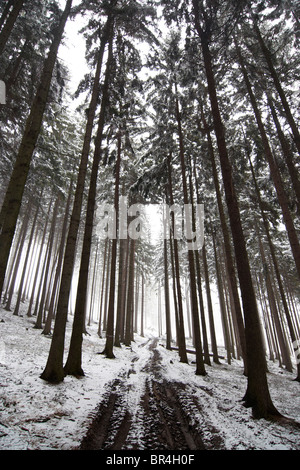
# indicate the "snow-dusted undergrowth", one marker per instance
pixel 37 415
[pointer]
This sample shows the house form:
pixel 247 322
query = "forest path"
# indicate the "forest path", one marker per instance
pixel 143 411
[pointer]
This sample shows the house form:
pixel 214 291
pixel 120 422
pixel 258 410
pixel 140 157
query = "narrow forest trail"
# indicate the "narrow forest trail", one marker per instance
pixel 160 417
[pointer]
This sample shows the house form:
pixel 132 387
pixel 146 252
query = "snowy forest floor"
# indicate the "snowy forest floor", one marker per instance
pixel 143 399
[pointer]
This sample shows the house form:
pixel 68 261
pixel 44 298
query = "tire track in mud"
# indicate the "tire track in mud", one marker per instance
pixel 111 422
pixel 163 418
pixel 169 427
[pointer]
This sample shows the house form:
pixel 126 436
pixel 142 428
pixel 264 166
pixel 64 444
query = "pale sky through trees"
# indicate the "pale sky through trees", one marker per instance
pixel 72 51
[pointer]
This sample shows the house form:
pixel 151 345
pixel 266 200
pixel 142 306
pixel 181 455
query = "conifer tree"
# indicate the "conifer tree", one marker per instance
pixel 13 198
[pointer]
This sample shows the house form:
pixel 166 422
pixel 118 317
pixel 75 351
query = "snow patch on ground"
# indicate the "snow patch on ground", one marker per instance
pixel 38 415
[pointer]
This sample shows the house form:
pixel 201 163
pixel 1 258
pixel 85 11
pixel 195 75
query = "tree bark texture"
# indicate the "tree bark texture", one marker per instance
pixel 73 364
pixel 257 395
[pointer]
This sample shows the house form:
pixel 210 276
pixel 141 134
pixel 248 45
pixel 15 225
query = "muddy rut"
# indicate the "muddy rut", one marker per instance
pixel 162 419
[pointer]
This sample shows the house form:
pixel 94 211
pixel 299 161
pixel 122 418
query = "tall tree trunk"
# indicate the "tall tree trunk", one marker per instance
pixel 176 310
pixel 159 316
pixel 102 287
pixel 222 302
pixel 167 297
pixel 229 306
pixel 202 310
pixel 227 245
pixel 257 395
pixel 12 261
pixel 21 284
pixel 17 260
pixel 181 328
pixel 199 281
pixel 136 304
pixel 39 319
pixel 47 327
pixel 36 276
pixel 54 367
pixel 130 294
pixel 120 301
pixel 31 260
pixel 108 350
pixel 210 308
pixel 200 368
pixel 275 174
pixel 92 300
pixel 73 364
pixel 124 289
pixel 142 305
pixel 14 194
pixel 273 308
pixel 276 267
pixel 106 288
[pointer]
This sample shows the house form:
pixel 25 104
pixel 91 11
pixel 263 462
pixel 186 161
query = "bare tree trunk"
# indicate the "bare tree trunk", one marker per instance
pixel 106 289
pixel 14 194
pixel 102 287
pixel 159 316
pixel 12 261
pixel 92 299
pixel 175 301
pixel 199 281
pixel 31 261
pixel 200 368
pixel 275 264
pixel 136 303
pixel 73 364
pixel 108 350
pixel 210 308
pixel 233 338
pixel 167 297
pixel 38 262
pixel 273 307
pixel 257 395
pixel 202 310
pixel 130 293
pixel 39 319
pixel 47 327
pixel 227 247
pixel 124 294
pixel 21 284
pixel 142 305
pixel 275 174
pixel 120 301
pixel 222 303
pixel 54 371
pixel 181 328
pixel 18 257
